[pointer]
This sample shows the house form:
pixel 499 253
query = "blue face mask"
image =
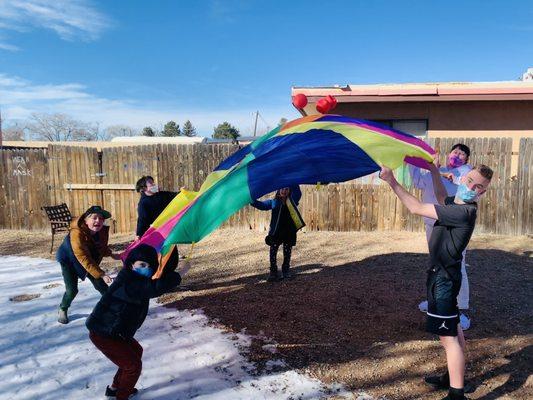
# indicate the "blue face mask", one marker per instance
pixel 467 195
pixel 145 271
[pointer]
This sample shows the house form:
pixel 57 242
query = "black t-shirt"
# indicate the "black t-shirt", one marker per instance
pixel 451 232
pixel 150 207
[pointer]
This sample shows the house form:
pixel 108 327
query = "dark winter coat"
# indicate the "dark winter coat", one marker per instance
pixel 83 250
pixel 150 207
pixel 285 220
pixel 122 310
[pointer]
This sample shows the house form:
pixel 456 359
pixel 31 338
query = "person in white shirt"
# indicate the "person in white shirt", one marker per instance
pixel 456 167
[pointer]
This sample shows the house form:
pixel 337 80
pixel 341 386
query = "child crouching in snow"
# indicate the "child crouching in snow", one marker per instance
pixel 121 312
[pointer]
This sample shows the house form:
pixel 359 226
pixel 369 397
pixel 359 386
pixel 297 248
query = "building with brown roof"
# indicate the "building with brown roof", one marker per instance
pixel 448 109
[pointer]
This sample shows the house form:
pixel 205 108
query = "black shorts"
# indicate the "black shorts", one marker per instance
pixel 442 289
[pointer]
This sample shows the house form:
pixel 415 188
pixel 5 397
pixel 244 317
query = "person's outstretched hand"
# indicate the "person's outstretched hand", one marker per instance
pixel 107 279
pixel 386 175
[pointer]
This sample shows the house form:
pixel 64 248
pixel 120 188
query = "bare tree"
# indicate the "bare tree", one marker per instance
pixel 89 132
pixel 14 132
pixel 60 127
pixel 120 130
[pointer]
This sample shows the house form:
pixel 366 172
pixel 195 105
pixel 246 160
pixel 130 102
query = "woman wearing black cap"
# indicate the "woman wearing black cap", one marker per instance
pixel 81 253
pixel 121 312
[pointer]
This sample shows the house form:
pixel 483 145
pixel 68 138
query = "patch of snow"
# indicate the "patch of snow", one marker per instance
pixel 184 356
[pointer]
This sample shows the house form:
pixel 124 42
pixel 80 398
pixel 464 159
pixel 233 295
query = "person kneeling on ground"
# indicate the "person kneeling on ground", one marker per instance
pixel 455 220
pixel 81 253
pixel 121 312
pixel 284 223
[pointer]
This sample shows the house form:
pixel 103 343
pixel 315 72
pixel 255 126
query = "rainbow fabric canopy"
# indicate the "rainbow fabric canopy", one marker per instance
pixel 318 148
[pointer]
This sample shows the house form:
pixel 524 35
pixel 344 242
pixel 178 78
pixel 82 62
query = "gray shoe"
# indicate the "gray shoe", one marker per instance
pixel 62 316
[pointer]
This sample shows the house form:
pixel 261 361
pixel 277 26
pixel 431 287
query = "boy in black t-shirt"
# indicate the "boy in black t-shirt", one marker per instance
pixel 456 218
pixel 152 203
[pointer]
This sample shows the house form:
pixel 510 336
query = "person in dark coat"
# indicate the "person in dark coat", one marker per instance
pixel 121 312
pixel 81 253
pixel 151 204
pixel 284 223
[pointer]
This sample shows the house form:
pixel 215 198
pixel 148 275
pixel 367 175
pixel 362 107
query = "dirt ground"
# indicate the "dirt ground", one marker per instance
pixel 351 313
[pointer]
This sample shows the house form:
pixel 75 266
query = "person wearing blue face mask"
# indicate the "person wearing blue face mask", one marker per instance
pixel 121 312
pixel 456 167
pixel 455 219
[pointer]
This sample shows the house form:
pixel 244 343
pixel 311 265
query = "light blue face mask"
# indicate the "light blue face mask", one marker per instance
pixel 145 271
pixel 467 195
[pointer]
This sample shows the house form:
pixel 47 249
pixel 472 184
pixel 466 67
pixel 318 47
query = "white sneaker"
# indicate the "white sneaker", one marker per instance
pixel 464 321
pixel 423 306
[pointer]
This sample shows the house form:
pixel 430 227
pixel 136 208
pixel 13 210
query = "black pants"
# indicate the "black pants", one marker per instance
pixel 71 285
pixel 287 250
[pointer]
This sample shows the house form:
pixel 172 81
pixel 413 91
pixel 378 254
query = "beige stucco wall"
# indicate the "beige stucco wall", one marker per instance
pixel 448 116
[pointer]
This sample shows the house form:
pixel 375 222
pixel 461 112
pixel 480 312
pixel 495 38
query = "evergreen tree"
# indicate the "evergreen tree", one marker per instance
pixel 225 131
pixel 189 129
pixel 171 129
pixel 147 131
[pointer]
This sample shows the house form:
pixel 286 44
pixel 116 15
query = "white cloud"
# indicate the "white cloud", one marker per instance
pixel 70 19
pixel 19 98
pixel 8 47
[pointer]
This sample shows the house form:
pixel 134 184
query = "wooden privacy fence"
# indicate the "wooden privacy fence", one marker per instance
pixel 82 177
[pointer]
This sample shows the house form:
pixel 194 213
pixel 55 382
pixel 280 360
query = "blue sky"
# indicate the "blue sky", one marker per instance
pixel 146 62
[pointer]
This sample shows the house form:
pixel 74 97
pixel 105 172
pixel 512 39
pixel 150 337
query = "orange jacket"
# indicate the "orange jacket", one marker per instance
pixel 87 251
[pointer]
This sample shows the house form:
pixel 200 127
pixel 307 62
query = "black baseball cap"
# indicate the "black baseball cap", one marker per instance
pixel 97 210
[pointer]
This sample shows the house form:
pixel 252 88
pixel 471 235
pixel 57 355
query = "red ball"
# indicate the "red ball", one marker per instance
pixel 299 101
pixel 323 106
pixel 332 102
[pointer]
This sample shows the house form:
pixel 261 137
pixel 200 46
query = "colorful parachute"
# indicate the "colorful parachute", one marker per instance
pixel 318 148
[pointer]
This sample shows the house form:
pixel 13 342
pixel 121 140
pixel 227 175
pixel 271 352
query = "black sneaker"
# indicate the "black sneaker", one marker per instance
pixel 439 382
pixel 288 275
pixel 274 278
pixel 112 393
pixel 454 398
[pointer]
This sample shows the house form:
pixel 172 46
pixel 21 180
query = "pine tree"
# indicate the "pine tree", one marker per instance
pixel 171 129
pixel 225 131
pixel 147 131
pixel 189 129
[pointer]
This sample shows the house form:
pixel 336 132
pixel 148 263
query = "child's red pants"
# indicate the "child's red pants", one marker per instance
pixel 126 354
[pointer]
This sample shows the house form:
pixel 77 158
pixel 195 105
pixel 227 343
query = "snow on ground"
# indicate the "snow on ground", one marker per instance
pixel 183 358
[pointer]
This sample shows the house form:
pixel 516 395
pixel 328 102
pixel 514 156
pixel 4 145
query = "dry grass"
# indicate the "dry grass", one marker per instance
pixel 351 314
